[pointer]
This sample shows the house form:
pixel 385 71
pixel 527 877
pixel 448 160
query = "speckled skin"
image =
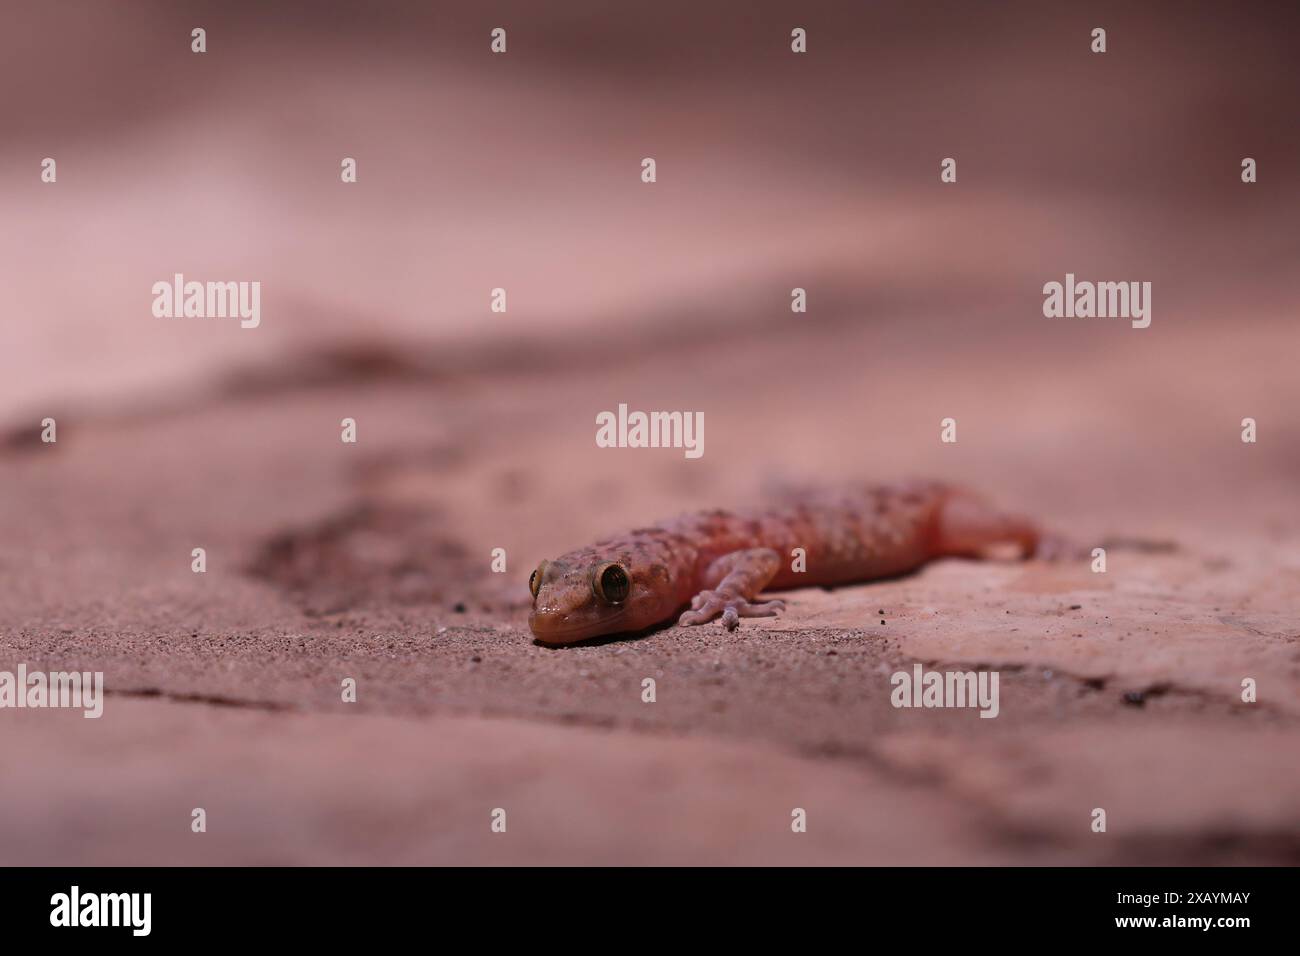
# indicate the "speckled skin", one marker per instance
pixel 719 561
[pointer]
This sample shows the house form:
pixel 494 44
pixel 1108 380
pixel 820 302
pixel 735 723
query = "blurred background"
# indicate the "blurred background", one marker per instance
pixel 775 170
pixel 476 429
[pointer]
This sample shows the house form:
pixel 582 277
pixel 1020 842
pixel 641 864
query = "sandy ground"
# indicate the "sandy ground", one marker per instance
pixel 328 561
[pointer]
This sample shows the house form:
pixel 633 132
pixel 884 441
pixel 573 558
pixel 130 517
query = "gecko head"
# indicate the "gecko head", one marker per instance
pixel 578 598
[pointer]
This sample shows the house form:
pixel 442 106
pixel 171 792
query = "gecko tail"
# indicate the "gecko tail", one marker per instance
pixel 969 527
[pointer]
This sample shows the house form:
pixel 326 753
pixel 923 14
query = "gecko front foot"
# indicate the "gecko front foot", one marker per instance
pixel 709 604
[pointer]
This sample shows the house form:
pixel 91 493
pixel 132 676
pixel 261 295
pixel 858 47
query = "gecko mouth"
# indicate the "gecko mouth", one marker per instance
pixel 550 629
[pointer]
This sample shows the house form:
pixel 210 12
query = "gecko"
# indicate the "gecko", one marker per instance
pixel 715 564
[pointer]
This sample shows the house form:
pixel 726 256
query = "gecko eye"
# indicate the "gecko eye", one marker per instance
pixel 611 584
pixel 535 579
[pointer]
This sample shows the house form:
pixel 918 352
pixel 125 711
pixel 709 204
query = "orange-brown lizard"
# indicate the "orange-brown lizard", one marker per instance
pixel 718 562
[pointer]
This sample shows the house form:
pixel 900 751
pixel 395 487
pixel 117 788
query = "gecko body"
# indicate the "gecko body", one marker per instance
pixel 716 563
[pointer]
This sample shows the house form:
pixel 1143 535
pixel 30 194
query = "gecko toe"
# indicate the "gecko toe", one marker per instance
pixel 706 606
pixel 703 610
pixel 766 609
